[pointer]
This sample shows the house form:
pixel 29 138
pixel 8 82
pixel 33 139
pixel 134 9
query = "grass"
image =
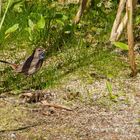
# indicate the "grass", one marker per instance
pixel 79 60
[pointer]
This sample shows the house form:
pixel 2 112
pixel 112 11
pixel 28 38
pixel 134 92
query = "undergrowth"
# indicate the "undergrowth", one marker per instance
pixel 71 48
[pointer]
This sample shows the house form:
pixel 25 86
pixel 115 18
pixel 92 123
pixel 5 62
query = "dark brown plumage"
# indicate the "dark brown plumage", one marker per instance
pixel 31 65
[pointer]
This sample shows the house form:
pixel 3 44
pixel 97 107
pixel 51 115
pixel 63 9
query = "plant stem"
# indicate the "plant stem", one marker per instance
pixel 131 53
pixel 2 20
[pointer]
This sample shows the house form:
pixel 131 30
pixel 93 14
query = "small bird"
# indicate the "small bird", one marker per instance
pixel 31 65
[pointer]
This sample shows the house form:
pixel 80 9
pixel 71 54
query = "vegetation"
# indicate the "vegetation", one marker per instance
pixel 49 24
pixel 82 68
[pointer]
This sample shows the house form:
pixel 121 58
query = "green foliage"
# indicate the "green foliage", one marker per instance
pixel 41 23
pixel 137 20
pixel 5 12
pixel 121 45
pixel 18 6
pixel 109 88
pixel 71 48
pixel 35 28
pixel 11 30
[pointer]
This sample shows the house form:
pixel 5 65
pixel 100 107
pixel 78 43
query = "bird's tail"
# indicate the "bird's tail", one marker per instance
pixel 14 66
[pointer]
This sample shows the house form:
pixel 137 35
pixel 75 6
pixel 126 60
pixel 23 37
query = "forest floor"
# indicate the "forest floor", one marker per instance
pixel 110 113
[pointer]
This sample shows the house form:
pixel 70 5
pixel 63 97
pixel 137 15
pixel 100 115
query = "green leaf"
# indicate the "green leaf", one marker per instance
pixel 18 7
pixel 65 17
pixel 28 29
pixel 60 22
pixel 12 29
pixel 41 23
pixel 31 24
pixel 109 87
pixel 121 45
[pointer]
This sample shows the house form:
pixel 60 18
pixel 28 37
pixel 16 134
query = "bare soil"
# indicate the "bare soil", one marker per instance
pixel 95 114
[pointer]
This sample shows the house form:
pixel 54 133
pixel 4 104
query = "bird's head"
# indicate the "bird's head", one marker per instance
pixel 40 53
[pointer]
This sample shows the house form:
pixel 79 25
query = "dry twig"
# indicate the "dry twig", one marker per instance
pixel 55 106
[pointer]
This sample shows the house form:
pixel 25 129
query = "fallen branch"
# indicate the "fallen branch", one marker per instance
pixel 55 105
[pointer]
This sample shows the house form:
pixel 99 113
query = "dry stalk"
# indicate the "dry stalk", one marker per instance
pixel 117 20
pixel 129 9
pixel 80 11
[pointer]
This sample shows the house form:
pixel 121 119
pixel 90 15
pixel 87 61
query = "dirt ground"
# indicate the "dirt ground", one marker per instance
pixel 95 115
